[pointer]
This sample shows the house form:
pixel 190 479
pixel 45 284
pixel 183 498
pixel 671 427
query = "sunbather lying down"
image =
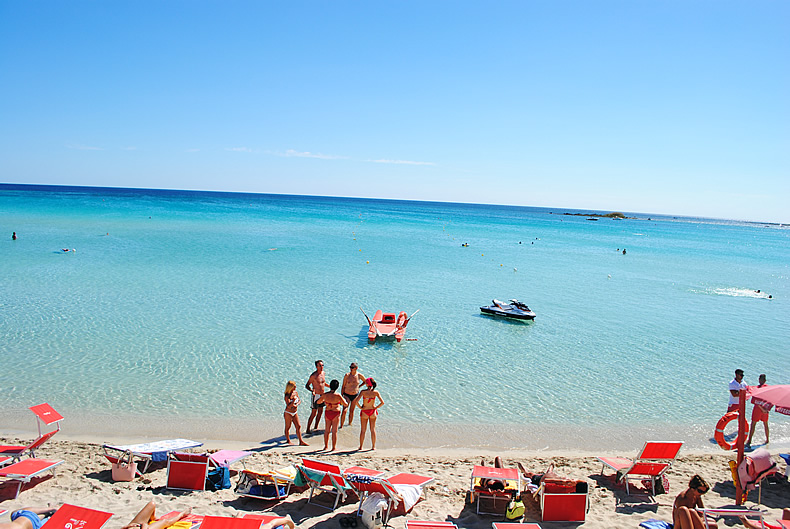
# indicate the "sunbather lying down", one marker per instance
pixel 146 519
pixel 28 518
pixel 751 524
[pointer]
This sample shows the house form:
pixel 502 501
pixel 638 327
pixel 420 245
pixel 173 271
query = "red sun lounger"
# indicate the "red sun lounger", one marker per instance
pixel 651 462
pixel 74 517
pixel 421 524
pixel 187 471
pixel 364 486
pixel 226 522
pixel 44 414
pixel 324 477
pixel 26 470
pixel 509 477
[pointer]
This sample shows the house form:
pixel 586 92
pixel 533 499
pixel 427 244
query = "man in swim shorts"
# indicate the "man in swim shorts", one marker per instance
pixel 736 385
pixel 350 389
pixel 759 414
pixel 28 518
pixel 316 383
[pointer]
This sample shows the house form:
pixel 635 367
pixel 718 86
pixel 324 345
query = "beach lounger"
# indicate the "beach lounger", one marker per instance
pixel 5 460
pixel 323 477
pixel 194 519
pixel 560 501
pixel 717 513
pixel 401 491
pixel 226 522
pixel 27 469
pixel 271 486
pixel 148 453
pixel 510 478
pixel 187 471
pixel 74 517
pixel 45 415
pixel 225 458
pixel 421 524
pixel 514 525
pixel 264 518
pixel 651 462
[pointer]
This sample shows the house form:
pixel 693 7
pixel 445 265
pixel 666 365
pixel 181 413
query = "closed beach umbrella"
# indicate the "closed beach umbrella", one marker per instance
pixel 777 397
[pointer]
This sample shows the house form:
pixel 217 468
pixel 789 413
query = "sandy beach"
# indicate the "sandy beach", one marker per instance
pixel 85 479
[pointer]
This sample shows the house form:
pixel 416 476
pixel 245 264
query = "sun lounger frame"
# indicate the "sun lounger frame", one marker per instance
pixel 24 471
pixel 651 462
pixel 494 473
pixel 332 480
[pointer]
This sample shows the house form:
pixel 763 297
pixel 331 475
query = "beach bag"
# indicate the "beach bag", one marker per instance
pixel 515 509
pixel 125 468
pixel 218 478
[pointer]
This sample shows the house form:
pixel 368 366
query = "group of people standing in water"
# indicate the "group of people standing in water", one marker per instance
pixel 355 391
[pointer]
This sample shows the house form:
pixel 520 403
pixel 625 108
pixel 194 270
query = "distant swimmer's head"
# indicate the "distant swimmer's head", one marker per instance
pixel 370 383
pixel 334 385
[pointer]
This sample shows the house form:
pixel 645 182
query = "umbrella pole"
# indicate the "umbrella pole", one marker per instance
pixel 742 433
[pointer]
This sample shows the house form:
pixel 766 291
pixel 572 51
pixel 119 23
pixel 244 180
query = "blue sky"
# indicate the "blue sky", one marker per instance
pixel 676 107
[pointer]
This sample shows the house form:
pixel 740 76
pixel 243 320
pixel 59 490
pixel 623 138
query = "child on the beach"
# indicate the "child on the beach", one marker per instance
pixel 291 415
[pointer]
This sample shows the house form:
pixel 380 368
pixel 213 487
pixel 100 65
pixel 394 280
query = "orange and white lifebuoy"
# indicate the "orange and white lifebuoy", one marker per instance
pixel 723 422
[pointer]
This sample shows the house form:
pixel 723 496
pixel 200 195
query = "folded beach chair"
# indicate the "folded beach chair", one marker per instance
pixel 323 477
pixel 401 492
pixel 509 477
pixel 651 462
pixel 44 414
pixel 226 522
pixel 563 500
pixel 148 453
pixel 74 517
pixel 187 471
pixel 27 469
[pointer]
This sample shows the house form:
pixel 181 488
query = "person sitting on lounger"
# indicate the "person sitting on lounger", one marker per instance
pixel 28 518
pixel 334 403
pixel 684 515
pixel 146 519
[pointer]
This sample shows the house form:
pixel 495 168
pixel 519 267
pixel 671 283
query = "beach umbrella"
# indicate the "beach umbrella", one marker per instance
pixel 776 397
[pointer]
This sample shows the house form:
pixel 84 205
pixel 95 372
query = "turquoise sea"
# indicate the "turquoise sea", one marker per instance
pixel 184 313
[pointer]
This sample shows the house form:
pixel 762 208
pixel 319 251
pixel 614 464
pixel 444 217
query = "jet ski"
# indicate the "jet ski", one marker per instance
pixel 513 309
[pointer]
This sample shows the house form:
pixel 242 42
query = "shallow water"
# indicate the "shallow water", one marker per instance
pixel 197 307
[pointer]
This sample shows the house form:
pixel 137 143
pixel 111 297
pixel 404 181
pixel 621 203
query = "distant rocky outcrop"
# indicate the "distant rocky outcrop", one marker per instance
pixel 613 215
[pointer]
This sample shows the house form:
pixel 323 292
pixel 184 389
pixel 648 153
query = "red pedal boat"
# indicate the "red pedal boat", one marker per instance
pixel 386 324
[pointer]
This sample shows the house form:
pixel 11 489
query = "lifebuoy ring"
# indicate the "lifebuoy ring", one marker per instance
pixel 719 435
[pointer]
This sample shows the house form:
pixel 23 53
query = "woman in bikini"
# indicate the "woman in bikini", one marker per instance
pixel 291 416
pixel 684 513
pixel 334 403
pixel 369 413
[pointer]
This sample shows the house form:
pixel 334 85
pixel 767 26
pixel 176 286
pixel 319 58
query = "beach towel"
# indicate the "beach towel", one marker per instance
pixel 410 495
pixel 655 524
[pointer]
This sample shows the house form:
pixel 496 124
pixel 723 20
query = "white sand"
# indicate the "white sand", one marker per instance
pixel 84 479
